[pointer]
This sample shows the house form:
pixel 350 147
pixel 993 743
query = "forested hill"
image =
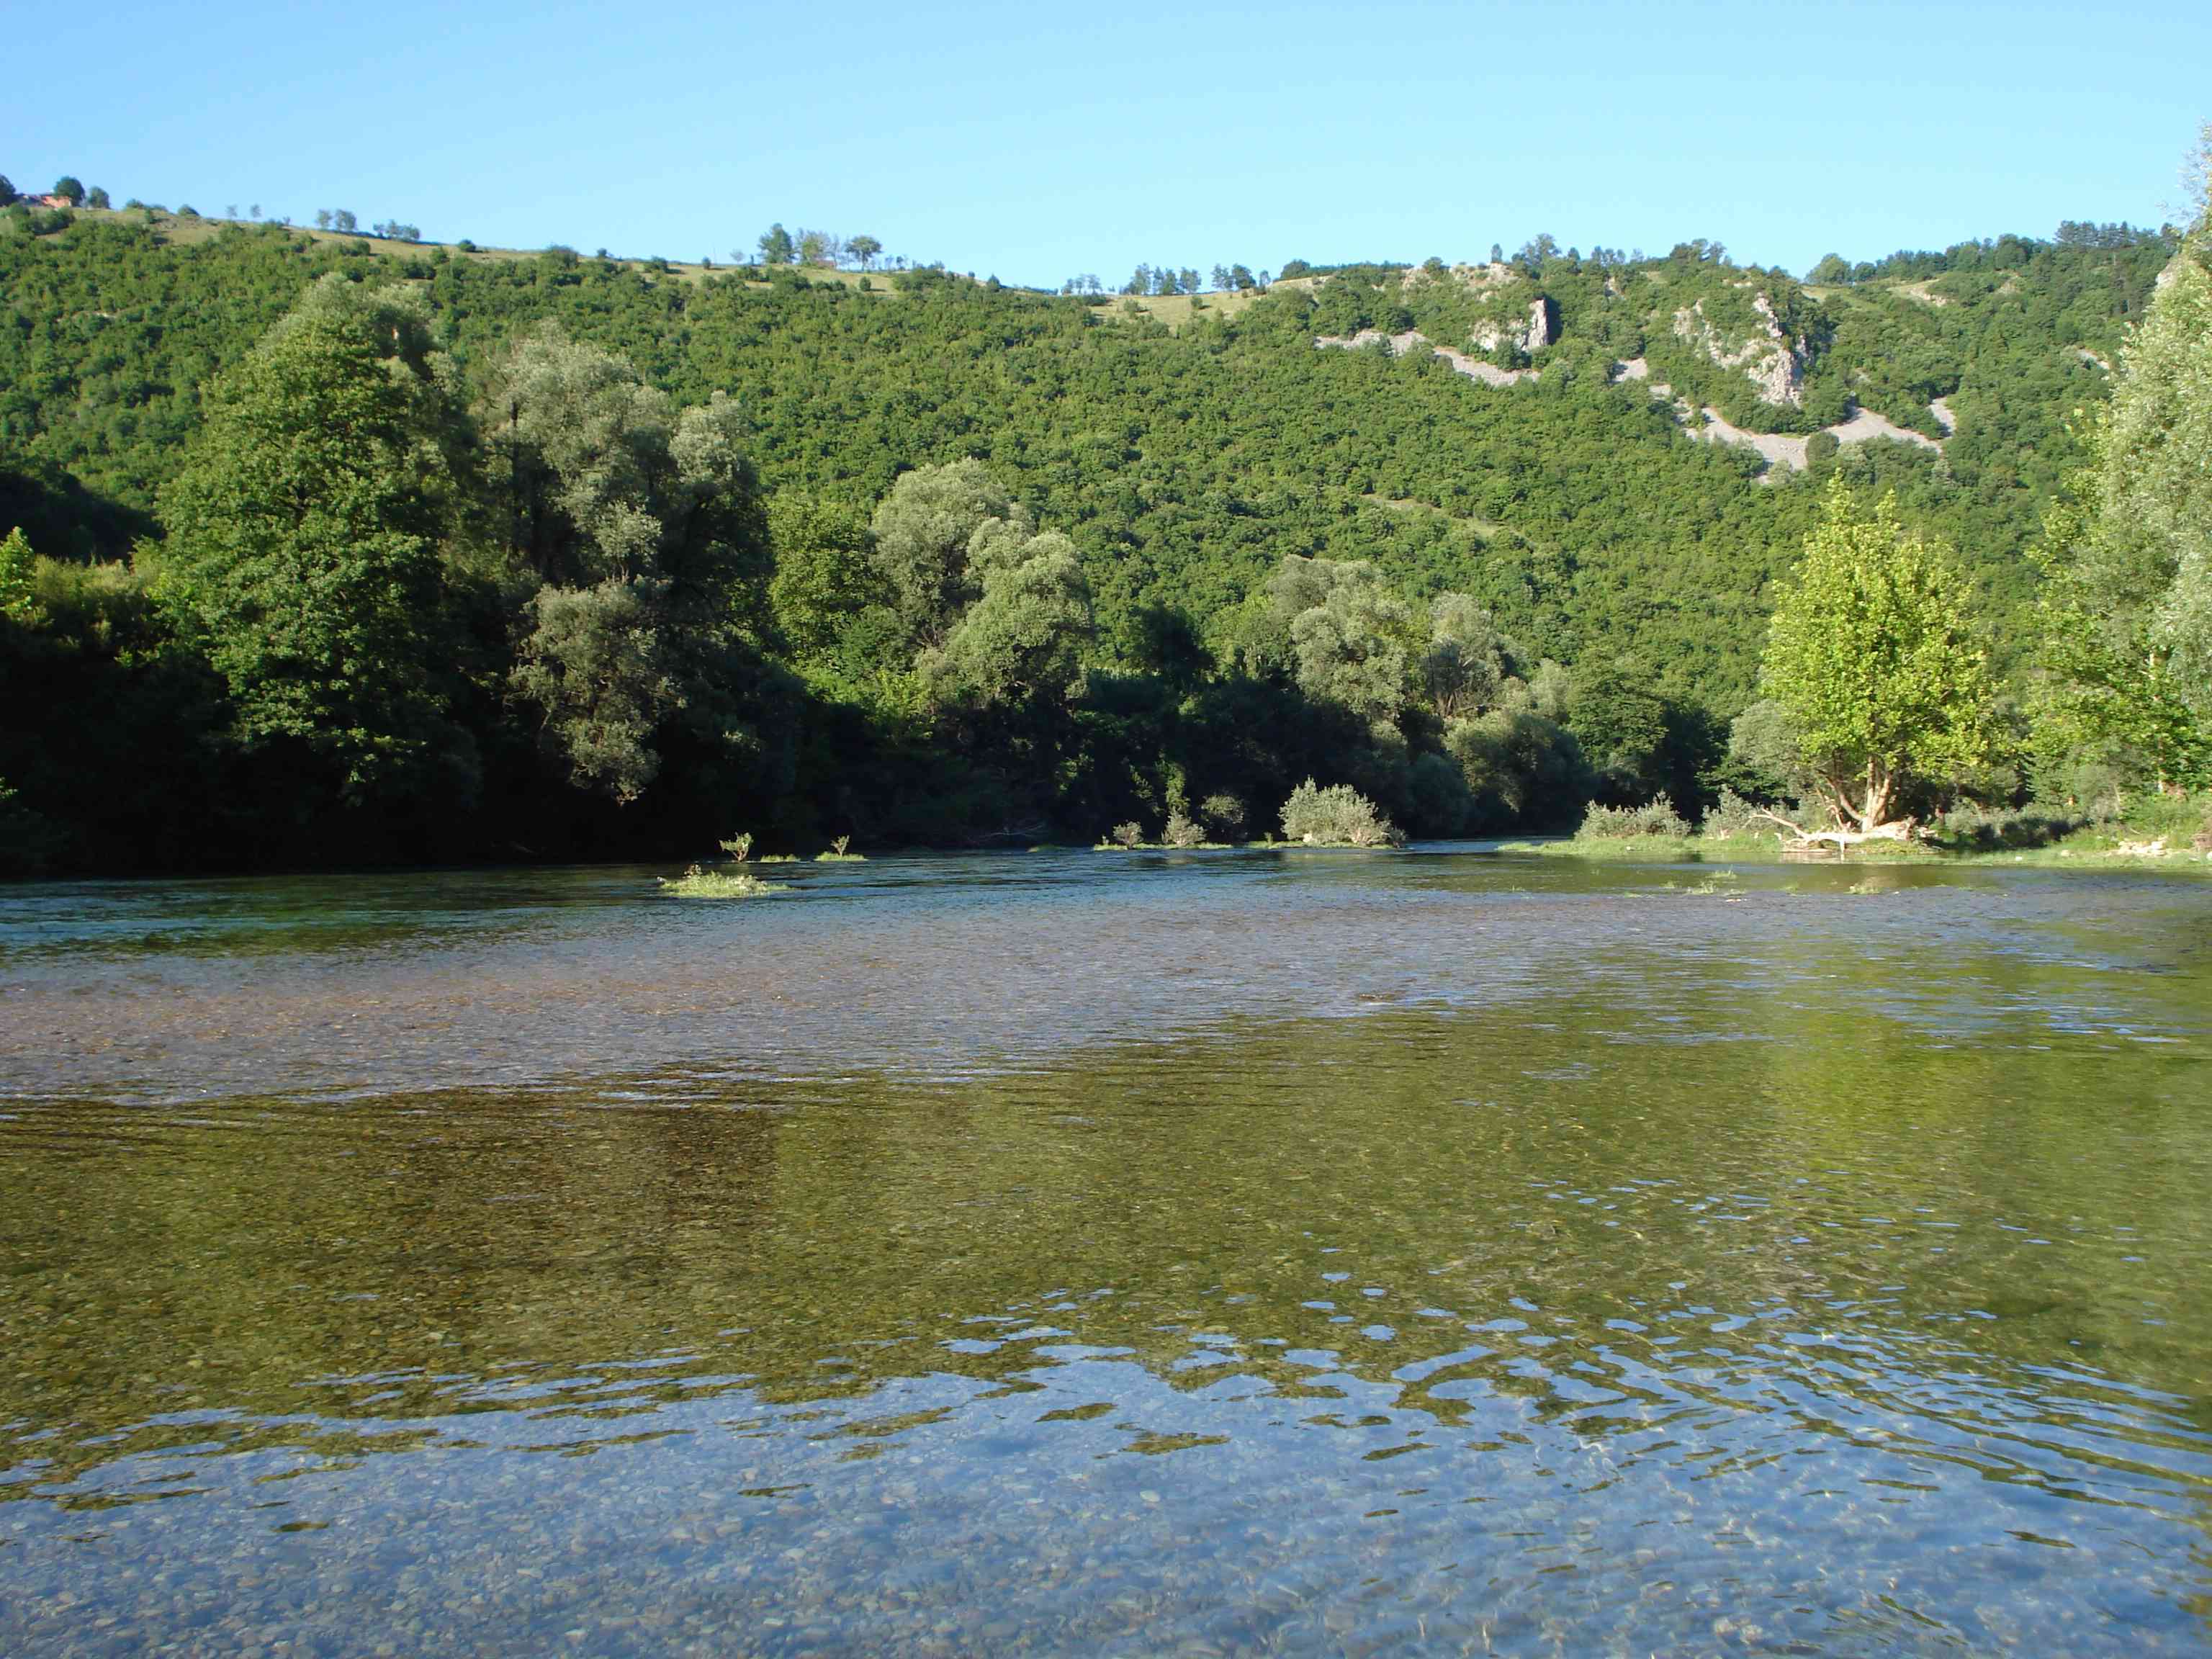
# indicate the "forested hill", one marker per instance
pixel 1528 432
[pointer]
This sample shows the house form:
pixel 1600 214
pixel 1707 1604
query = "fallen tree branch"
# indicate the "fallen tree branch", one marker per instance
pixel 1901 829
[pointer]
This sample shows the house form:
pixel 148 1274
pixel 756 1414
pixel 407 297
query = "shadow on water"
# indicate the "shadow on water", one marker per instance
pixel 1235 1254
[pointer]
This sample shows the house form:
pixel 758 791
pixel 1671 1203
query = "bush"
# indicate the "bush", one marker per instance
pixel 1223 815
pixel 1339 816
pixel 695 883
pixel 1732 816
pixel 1972 826
pixel 1181 831
pixel 1129 834
pixel 1656 818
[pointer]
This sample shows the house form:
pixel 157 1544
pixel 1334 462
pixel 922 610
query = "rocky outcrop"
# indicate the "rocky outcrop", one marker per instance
pixel 1539 329
pixel 1770 360
pixel 1412 339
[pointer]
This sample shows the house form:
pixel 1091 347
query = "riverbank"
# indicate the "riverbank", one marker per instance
pixel 2089 849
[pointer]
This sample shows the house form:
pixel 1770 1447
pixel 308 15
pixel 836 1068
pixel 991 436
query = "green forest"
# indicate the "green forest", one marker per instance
pixel 337 549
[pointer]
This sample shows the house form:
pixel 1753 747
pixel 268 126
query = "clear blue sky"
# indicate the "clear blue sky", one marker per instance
pixel 1040 140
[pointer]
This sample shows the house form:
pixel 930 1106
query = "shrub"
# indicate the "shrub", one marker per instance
pixel 739 847
pixel 1181 831
pixel 1733 815
pixel 1976 826
pixel 1223 815
pixel 1658 817
pixel 695 883
pixel 1129 834
pixel 1339 816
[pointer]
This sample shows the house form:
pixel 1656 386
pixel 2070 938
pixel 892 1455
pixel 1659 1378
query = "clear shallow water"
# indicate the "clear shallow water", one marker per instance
pixel 1089 1254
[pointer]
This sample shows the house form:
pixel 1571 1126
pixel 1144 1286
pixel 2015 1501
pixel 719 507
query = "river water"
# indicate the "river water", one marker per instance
pixel 1198 1254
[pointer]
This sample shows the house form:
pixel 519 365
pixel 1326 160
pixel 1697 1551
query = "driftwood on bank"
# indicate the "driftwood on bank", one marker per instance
pixel 1902 831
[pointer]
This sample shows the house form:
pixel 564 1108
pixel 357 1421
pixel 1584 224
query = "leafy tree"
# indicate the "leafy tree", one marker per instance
pixel 1465 667
pixel 17 601
pixel 863 250
pixel 1873 658
pixel 96 197
pixel 9 196
pixel 323 218
pixel 776 247
pixel 69 190
pixel 817 247
pixel 343 220
pixel 2127 600
pixel 824 575
pixel 922 532
pixel 1620 723
pixel 305 529
pixel 642 531
pixel 1350 634
pixel 1023 642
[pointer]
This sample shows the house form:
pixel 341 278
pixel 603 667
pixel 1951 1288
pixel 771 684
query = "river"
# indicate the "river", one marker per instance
pixel 1086 1253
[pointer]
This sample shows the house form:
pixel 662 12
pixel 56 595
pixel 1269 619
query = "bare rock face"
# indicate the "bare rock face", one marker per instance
pixel 1539 330
pixel 1770 360
pixel 1543 323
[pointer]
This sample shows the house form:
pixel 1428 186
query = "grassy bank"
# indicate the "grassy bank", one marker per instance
pixel 2150 832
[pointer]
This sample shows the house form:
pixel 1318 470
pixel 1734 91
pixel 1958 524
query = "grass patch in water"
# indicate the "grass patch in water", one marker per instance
pixel 695 883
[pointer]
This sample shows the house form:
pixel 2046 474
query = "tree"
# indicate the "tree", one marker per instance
pixel 17 562
pixel 1464 666
pixel 304 528
pixel 343 220
pixel 922 531
pixel 97 198
pixel 817 247
pixel 863 250
pixel 824 576
pixel 2127 603
pixel 69 190
pixel 1022 641
pixel 323 216
pixel 776 247
pixel 9 196
pixel 1874 660
pixel 1350 634
pixel 640 530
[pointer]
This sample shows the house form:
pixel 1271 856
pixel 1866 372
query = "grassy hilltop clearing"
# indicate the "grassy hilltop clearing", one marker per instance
pixel 1326 525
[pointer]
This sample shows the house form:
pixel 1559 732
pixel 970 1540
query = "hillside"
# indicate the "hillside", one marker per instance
pixel 1185 463
pixel 1614 458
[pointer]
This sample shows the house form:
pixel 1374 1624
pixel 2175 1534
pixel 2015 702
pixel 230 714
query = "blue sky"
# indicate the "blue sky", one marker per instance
pixel 1037 141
